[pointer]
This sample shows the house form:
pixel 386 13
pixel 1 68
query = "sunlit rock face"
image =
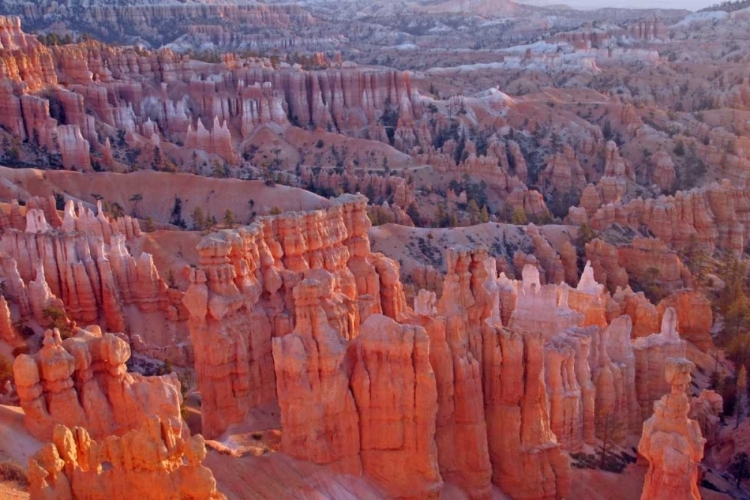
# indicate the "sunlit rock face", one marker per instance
pixel 671 442
pixel 150 461
pixel 83 382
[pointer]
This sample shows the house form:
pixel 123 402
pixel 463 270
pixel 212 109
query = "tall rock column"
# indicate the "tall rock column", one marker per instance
pixel 461 432
pixel 527 462
pixel 650 353
pixel 318 413
pixel 394 388
pixel 671 442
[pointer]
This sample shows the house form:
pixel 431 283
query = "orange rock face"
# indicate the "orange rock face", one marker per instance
pixel 662 170
pixel 82 381
pixel 713 215
pixel 694 316
pixel 81 264
pixel 526 459
pixel 563 173
pixel 150 462
pixel 671 442
pixel 650 353
pixel 318 411
pixel 394 389
pixel 248 277
pixel 706 409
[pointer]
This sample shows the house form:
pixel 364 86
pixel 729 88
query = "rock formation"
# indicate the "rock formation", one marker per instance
pixel 713 216
pixel 563 173
pixel 150 462
pixel 394 390
pixel 706 409
pixel 650 353
pixel 82 381
pixel 318 411
pixel 311 278
pixel 663 172
pixel 521 442
pixel 671 442
pixel 81 266
pixel 249 276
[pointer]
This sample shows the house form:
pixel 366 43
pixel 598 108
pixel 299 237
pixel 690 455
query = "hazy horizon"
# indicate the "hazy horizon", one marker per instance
pixel 693 5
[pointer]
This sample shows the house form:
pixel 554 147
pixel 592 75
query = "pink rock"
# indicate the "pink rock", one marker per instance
pixel 151 462
pixel 671 442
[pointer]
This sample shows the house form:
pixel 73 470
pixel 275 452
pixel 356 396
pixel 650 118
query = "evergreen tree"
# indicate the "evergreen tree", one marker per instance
pixel 473 210
pixel 413 212
pixel 740 467
pixel 519 217
pixel 199 219
pixel 176 216
pixel 484 215
pixel 741 391
pixel 135 200
pixel 229 220
pixel 454 219
pixel 441 216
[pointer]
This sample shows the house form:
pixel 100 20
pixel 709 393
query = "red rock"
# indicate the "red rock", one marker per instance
pixel 604 259
pixel 83 381
pixel 526 458
pixel 8 332
pixel 570 388
pixel 644 255
pixel 643 313
pixel 671 442
pixel 694 316
pixel 318 413
pixel 613 366
pixel 588 299
pixel 150 462
pixel 394 389
pixel 650 353
pixel 563 173
pixel 706 409
pixel 648 29
pixel 712 216
pixel 662 170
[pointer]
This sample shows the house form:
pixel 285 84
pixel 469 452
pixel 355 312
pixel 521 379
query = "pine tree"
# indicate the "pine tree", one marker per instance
pixel 454 219
pixel 413 212
pixel 741 391
pixel 440 215
pixel 473 210
pixel 199 219
pixel 519 217
pixel 135 200
pixel 484 215
pixel 229 220
pixel 740 467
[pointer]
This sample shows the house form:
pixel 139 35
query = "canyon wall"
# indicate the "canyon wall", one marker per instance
pixel 80 266
pixel 414 397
